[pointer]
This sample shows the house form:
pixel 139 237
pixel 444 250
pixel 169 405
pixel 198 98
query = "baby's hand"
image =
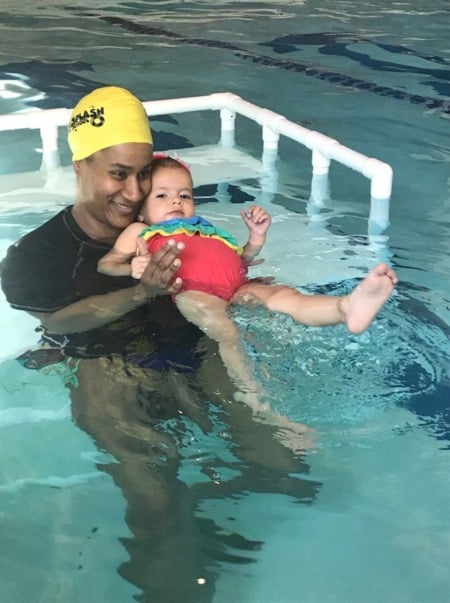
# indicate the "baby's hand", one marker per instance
pixel 138 265
pixel 257 220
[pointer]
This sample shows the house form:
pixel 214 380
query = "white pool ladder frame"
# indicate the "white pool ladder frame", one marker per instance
pixel 324 149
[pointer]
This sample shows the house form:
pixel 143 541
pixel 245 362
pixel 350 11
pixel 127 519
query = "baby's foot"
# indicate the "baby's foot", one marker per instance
pixel 362 305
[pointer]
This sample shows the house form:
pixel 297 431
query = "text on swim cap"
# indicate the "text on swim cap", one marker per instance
pixel 95 117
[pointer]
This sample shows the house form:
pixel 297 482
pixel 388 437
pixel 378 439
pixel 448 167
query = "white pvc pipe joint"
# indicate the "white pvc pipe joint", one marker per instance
pixel 320 163
pixel 227 119
pixel 227 127
pixel 270 138
pixel 50 154
pixel 381 176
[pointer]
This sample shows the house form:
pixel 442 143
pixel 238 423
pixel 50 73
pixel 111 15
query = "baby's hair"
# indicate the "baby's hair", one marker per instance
pixel 161 160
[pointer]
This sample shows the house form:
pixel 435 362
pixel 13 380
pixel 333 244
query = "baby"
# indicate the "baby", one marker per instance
pixel 213 269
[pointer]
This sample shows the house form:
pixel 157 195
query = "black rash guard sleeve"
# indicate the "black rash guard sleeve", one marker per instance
pixel 55 266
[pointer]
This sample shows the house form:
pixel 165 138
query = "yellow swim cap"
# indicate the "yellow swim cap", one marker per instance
pixel 106 117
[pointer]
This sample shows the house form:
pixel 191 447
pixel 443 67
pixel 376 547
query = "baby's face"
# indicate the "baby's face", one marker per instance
pixel 170 197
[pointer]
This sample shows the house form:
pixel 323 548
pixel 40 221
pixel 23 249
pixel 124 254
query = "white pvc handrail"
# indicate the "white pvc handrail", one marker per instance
pixel 324 149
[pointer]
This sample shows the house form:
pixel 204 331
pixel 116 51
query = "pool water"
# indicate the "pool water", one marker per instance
pixel 364 516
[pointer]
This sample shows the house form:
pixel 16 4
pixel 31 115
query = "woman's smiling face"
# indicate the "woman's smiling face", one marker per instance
pixel 111 186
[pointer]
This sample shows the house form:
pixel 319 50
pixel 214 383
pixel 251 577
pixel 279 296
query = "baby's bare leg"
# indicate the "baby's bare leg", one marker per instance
pixel 357 309
pixel 209 313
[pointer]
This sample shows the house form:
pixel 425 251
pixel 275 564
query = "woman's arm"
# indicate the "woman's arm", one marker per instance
pixel 94 311
pixel 159 278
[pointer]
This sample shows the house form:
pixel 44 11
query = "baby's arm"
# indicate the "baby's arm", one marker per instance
pixel 117 262
pixel 257 221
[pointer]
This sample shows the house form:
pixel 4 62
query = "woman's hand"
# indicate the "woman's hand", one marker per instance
pixel 159 275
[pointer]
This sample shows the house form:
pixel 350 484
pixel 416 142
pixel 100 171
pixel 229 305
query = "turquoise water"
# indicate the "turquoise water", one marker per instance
pixel 364 517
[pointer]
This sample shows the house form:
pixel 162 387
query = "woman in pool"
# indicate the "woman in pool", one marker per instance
pixel 213 270
pixel 139 360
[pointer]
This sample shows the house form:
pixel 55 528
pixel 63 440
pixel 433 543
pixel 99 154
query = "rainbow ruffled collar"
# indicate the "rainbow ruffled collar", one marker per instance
pixel 190 227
